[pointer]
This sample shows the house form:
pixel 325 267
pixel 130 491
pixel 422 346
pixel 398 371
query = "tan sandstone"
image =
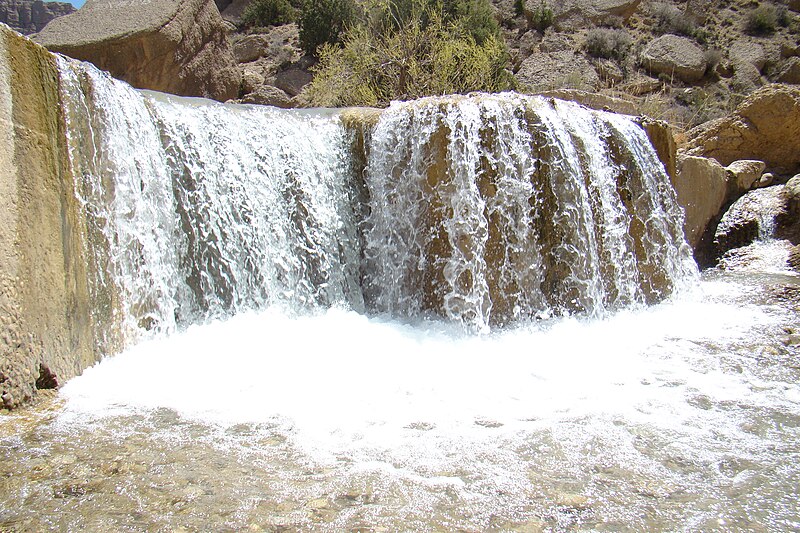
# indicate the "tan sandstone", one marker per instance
pixel 175 46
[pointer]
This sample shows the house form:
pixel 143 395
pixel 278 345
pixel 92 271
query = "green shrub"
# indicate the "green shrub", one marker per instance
pixel 425 55
pixel 670 19
pixel 540 18
pixel 268 13
pixel 519 7
pixel 763 20
pixel 324 21
pixel 607 43
pixel 476 17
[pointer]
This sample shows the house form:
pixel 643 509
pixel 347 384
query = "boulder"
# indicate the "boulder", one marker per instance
pixel 267 95
pixel 274 50
pixel 233 11
pixel 789 220
pixel 748 52
pixel 790 71
pixel 676 56
pixel 766 127
pixel 743 174
pixel 751 217
pixel 293 80
pixel 746 78
pixel 546 71
pixel 573 14
pixel 702 189
pixel 174 46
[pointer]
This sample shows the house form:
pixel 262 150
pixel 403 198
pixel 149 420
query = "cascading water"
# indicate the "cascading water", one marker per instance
pixel 298 294
pixel 483 210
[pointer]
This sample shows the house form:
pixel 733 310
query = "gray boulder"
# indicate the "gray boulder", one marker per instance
pixel 676 56
pixel 790 71
pixel 544 71
pixel 174 46
pixel 749 218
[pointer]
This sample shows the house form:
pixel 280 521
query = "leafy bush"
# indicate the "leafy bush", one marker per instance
pixel 540 18
pixel 268 13
pixel 763 20
pixel 423 55
pixel 324 21
pixel 519 7
pixel 607 43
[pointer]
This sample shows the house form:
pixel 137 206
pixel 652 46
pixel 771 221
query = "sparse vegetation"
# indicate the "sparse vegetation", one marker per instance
pixel 608 43
pixel 264 13
pixel 408 54
pixel 670 19
pixel 762 20
pixel 540 18
pixel 519 7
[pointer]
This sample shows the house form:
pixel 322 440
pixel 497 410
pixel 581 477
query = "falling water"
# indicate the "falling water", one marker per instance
pixel 477 313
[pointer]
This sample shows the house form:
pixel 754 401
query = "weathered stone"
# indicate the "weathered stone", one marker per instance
pixel 234 10
pixel 292 80
pixel 30 16
pixel 557 70
pixel 174 46
pixel 641 85
pixel 750 217
pixel 701 186
pixel 743 174
pixel 748 52
pixel 609 71
pixel 794 258
pixel 267 95
pixel 250 47
pixel 765 180
pixel 44 296
pixel 766 126
pixel 663 140
pixel 251 80
pixel 790 71
pixel 676 56
pixel 746 78
pixel 554 41
pixel 572 14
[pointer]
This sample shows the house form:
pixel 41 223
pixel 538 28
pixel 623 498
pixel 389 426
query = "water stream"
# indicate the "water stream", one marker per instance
pixel 488 320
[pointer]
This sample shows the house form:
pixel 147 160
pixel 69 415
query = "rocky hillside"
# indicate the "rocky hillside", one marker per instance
pixel 686 61
pixel 30 16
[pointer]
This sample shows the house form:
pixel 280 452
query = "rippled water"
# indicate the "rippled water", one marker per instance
pixel 682 416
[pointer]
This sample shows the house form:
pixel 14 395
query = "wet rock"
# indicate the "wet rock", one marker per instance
pixel 676 56
pixel 748 218
pixel 47 379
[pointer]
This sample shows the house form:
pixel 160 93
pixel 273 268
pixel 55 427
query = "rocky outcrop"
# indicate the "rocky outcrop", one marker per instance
pixel 675 56
pixel 46 333
pixel 174 46
pixel 702 188
pixel 547 71
pixel 766 127
pixel 742 175
pixel 30 16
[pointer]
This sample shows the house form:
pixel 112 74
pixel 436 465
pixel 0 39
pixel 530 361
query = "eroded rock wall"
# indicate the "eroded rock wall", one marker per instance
pixel 45 318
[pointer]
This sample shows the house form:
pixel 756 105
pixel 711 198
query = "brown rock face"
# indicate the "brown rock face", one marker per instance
pixel 575 13
pixel 675 56
pixel 46 332
pixel 702 188
pixel 174 46
pixel 546 71
pixel 30 16
pixel 765 127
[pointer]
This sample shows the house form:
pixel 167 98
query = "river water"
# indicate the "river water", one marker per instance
pixel 680 416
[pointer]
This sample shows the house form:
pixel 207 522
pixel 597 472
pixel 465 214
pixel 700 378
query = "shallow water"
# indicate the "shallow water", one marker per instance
pixel 682 416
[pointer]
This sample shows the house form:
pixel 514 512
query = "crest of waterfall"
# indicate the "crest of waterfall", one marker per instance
pixel 484 210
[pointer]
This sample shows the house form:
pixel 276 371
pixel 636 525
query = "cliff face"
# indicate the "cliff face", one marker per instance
pixel 30 16
pixel 45 319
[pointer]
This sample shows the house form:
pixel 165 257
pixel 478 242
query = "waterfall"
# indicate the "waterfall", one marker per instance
pixel 482 210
